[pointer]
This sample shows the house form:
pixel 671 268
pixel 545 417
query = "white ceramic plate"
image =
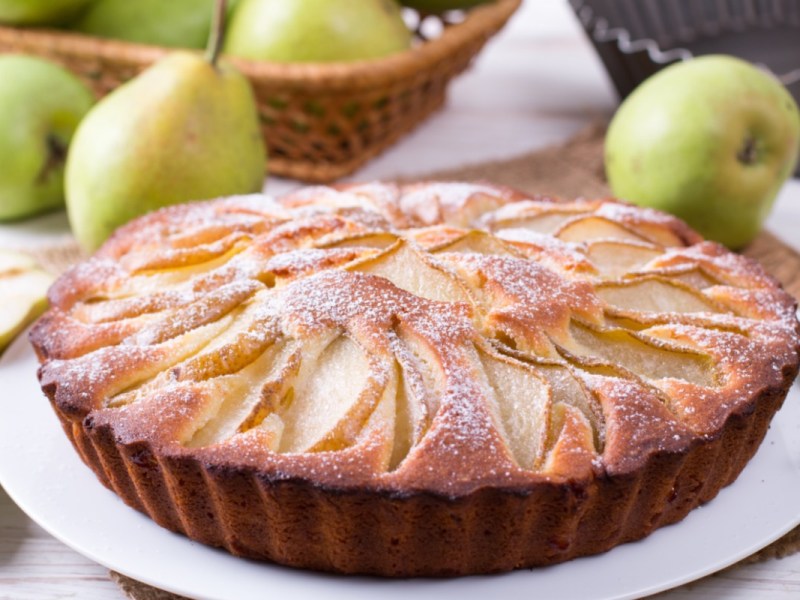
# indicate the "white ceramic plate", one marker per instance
pixel 42 473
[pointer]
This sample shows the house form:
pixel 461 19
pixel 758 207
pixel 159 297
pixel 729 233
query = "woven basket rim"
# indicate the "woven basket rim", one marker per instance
pixel 480 23
pixel 403 88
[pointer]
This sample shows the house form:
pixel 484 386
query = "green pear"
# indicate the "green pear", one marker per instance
pixel 316 30
pixel 41 105
pixel 23 294
pixel 172 23
pixel 39 12
pixel 185 129
pixel 439 6
pixel 711 140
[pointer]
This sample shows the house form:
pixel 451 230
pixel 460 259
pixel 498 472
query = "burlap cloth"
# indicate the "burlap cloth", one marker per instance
pixel 572 169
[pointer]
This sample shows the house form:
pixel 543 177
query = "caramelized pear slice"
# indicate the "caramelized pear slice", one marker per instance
pixel 200 363
pixel 420 386
pixel 565 388
pixel 243 342
pixel 334 384
pixel 275 394
pixel 179 258
pixel 478 242
pixel 658 234
pixel 656 294
pixel 409 270
pixel 372 413
pixel 615 258
pixel 523 401
pixel 207 309
pixel 407 420
pixel 98 311
pixel 23 293
pixel 696 278
pixel 571 447
pixel 252 395
pixel 271 429
pixel 12 262
pixel 141 371
pixel 649 359
pixel 182 263
pixel 596 228
pixel 220 421
pixel 544 222
pixel 145 283
pixel 569 390
pixel 380 240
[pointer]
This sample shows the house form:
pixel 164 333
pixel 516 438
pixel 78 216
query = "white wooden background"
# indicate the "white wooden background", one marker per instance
pixel 537 84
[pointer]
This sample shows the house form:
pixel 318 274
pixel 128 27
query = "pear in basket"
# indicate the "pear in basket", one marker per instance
pixel 185 129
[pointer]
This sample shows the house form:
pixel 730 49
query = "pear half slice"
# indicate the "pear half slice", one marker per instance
pixel 23 294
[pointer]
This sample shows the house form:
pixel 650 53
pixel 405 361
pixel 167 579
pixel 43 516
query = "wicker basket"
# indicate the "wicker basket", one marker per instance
pixel 320 121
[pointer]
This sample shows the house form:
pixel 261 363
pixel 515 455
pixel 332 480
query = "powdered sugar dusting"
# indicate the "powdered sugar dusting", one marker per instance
pixel 255 276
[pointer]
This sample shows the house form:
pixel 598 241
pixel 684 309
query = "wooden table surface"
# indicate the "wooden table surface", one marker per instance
pixel 536 85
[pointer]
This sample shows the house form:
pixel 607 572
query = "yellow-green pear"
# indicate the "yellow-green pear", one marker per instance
pixel 172 23
pixel 316 30
pixel 439 6
pixel 185 129
pixel 39 12
pixel 711 140
pixel 23 293
pixel 41 105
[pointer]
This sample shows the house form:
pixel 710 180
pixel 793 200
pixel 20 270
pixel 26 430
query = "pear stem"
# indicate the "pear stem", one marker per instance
pixel 217 35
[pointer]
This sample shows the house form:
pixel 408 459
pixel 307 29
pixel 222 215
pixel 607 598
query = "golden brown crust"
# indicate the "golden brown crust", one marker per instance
pixel 527 380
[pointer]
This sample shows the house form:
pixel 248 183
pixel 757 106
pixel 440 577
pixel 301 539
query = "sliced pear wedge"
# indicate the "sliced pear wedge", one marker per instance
pixel 697 278
pixel 523 400
pixel 144 282
pixel 545 222
pixel 596 228
pixel 616 258
pixel 365 240
pixel 656 294
pixel 478 242
pixel 410 270
pixel 328 390
pixel 23 294
pixel 14 262
pixel 647 357
pixel 571 447
pixel 421 384
pixel 181 258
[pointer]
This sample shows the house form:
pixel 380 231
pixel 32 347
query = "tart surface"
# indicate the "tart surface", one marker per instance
pixel 432 379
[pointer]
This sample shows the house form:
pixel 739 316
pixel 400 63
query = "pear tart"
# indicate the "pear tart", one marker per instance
pixel 433 379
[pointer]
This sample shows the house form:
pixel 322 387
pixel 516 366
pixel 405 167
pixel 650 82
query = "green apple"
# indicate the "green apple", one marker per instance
pixel 316 30
pixel 172 23
pixel 23 294
pixel 711 140
pixel 41 105
pixel 39 12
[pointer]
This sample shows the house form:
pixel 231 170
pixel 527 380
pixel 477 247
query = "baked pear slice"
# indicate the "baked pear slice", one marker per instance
pixel 656 294
pixel 615 258
pixel 478 242
pixel 409 269
pixel 23 294
pixel 592 228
